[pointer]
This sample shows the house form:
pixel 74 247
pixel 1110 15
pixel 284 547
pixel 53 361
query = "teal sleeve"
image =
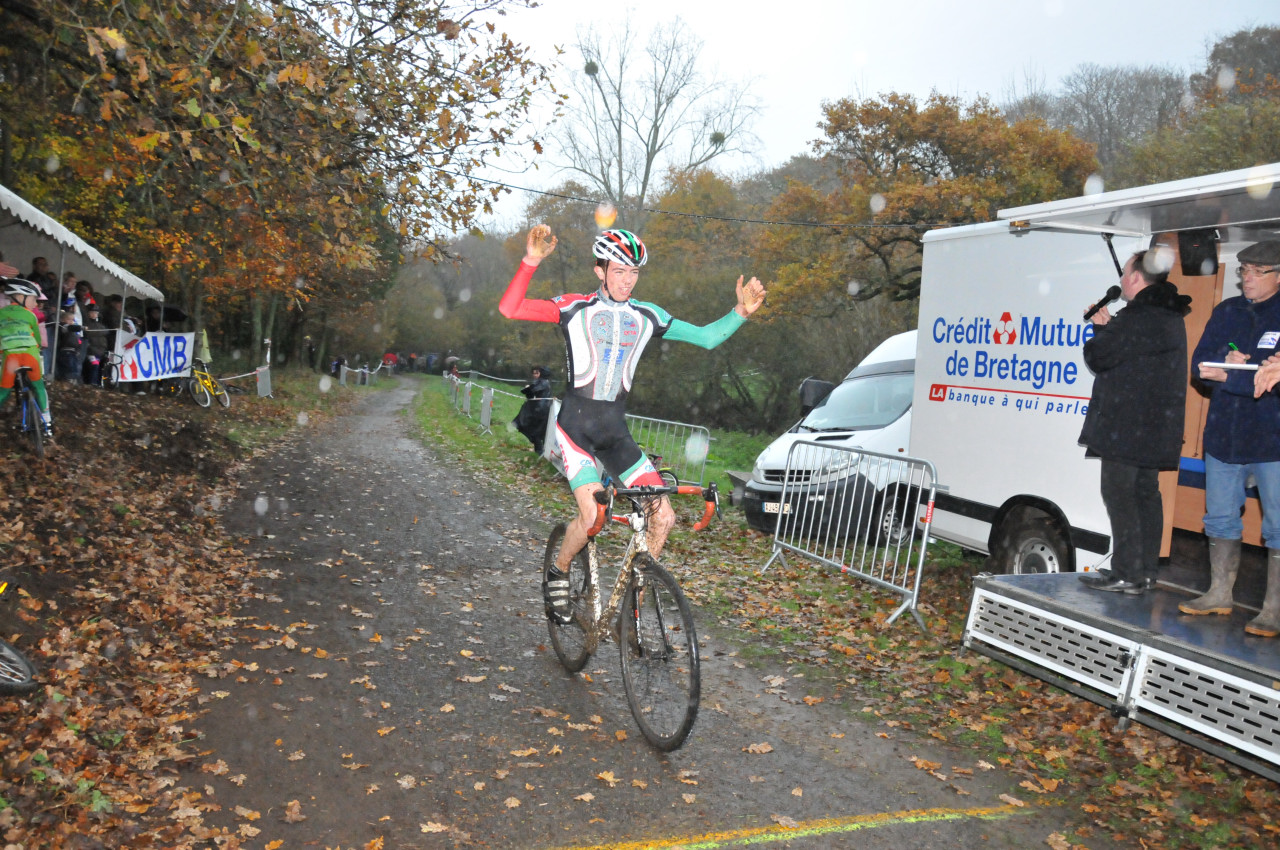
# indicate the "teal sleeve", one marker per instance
pixel 707 336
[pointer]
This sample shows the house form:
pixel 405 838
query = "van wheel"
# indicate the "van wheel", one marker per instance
pixel 1031 545
pixel 892 521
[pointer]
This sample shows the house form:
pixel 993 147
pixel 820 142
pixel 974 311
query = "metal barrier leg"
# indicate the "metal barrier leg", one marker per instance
pixel 776 556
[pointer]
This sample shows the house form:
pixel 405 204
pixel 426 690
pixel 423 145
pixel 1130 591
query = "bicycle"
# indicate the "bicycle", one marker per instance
pixel 17 674
pixel 647 613
pixel 204 387
pixel 30 422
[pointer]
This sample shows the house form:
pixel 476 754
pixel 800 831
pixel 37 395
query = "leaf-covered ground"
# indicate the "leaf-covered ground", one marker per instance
pixel 1138 786
pixel 122 586
pixel 127 585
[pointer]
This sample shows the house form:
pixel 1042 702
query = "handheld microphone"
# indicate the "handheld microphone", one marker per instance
pixel 1112 294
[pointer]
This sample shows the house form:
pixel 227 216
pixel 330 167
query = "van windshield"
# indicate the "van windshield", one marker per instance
pixel 872 401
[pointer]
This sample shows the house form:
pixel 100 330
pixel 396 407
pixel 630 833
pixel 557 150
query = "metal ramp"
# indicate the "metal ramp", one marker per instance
pixel 1201 680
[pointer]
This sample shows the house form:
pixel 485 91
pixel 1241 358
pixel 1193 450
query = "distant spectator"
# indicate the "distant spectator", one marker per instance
pixel 70 341
pixel 84 295
pixel 95 340
pixel 43 277
pixel 532 418
pixel 391 361
pixel 154 320
pixel 311 352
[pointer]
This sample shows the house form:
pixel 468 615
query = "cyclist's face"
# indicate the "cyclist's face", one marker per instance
pixel 618 280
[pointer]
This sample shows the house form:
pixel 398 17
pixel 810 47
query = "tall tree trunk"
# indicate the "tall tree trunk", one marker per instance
pixel 255 345
pixel 269 329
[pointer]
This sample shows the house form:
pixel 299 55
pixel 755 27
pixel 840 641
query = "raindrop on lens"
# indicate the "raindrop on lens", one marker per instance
pixel 465 295
pixel 260 505
pixel 606 214
pixel 854 287
pixel 877 203
pixel 303 419
pixel 1258 183
pixel 224 176
pixel 1226 78
pixel 437 313
pixel 52 164
pixel 695 449
pixel 326 383
pixel 108 173
pixel 1043 287
pixel 1093 185
pixel 235 355
pixel 1158 260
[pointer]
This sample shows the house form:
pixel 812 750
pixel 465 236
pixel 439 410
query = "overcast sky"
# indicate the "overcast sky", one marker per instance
pixel 803 52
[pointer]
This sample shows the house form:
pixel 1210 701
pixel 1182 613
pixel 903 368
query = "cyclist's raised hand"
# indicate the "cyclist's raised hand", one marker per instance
pixel 750 296
pixel 539 245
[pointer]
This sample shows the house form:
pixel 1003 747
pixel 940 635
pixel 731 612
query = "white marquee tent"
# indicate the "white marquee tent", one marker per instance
pixel 26 232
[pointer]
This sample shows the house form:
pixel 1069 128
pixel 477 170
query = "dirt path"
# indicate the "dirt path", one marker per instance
pixel 392 681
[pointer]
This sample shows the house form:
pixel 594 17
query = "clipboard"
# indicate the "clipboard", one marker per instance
pixel 1247 367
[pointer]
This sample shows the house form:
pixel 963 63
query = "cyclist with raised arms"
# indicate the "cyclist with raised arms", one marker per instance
pixel 605 334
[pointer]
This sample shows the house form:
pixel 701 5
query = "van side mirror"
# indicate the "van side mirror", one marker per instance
pixel 812 392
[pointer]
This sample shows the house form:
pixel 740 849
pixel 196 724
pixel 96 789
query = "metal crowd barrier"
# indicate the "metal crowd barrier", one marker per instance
pixel 858 512
pixel 680 447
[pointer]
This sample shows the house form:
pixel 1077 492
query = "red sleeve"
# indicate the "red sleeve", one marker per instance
pixel 515 306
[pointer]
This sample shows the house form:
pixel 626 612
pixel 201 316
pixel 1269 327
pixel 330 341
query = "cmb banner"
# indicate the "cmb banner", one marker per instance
pixel 153 356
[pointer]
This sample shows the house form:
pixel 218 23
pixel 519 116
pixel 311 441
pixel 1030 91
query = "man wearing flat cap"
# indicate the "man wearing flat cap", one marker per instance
pixel 1242 432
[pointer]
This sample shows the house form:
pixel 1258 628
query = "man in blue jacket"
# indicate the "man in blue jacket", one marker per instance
pixel 1242 433
pixel 1138 358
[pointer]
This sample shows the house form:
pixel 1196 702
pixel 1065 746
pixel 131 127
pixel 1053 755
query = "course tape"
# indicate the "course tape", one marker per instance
pixel 809 829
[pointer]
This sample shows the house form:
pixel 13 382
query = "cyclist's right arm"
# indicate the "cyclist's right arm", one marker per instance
pixel 514 305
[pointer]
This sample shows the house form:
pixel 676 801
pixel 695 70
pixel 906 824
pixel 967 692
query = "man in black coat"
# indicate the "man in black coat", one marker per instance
pixel 1135 419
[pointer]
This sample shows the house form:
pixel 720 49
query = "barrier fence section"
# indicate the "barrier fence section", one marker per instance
pixel 677 446
pixel 858 512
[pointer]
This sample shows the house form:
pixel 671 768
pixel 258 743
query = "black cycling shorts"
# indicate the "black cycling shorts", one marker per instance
pixel 587 430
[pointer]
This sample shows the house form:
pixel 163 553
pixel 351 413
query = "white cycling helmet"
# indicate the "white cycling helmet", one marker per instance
pixel 620 246
pixel 16 286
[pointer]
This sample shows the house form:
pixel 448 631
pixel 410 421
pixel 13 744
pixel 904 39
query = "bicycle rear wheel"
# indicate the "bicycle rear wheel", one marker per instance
pixel 33 422
pixel 569 640
pixel 220 393
pixel 17 674
pixel 199 391
pixel 659 648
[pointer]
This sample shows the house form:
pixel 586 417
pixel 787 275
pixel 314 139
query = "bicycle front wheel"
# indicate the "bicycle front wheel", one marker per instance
pixel 220 393
pixel 569 640
pixel 17 674
pixel 199 392
pixel 659 647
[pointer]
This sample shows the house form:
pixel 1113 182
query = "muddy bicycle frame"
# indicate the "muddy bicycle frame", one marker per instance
pixel 603 617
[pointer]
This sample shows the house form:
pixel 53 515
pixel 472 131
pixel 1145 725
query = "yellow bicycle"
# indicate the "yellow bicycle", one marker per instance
pixel 204 387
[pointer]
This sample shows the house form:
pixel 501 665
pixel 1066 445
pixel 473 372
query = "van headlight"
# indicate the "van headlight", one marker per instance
pixel 757 473
pixel 839 466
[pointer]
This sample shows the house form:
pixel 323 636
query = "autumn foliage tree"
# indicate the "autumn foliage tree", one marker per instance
pixel 252 147
pixel 906 167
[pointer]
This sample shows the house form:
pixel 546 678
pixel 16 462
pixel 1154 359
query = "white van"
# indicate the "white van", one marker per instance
pixel 870 409
pixel 1002 388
